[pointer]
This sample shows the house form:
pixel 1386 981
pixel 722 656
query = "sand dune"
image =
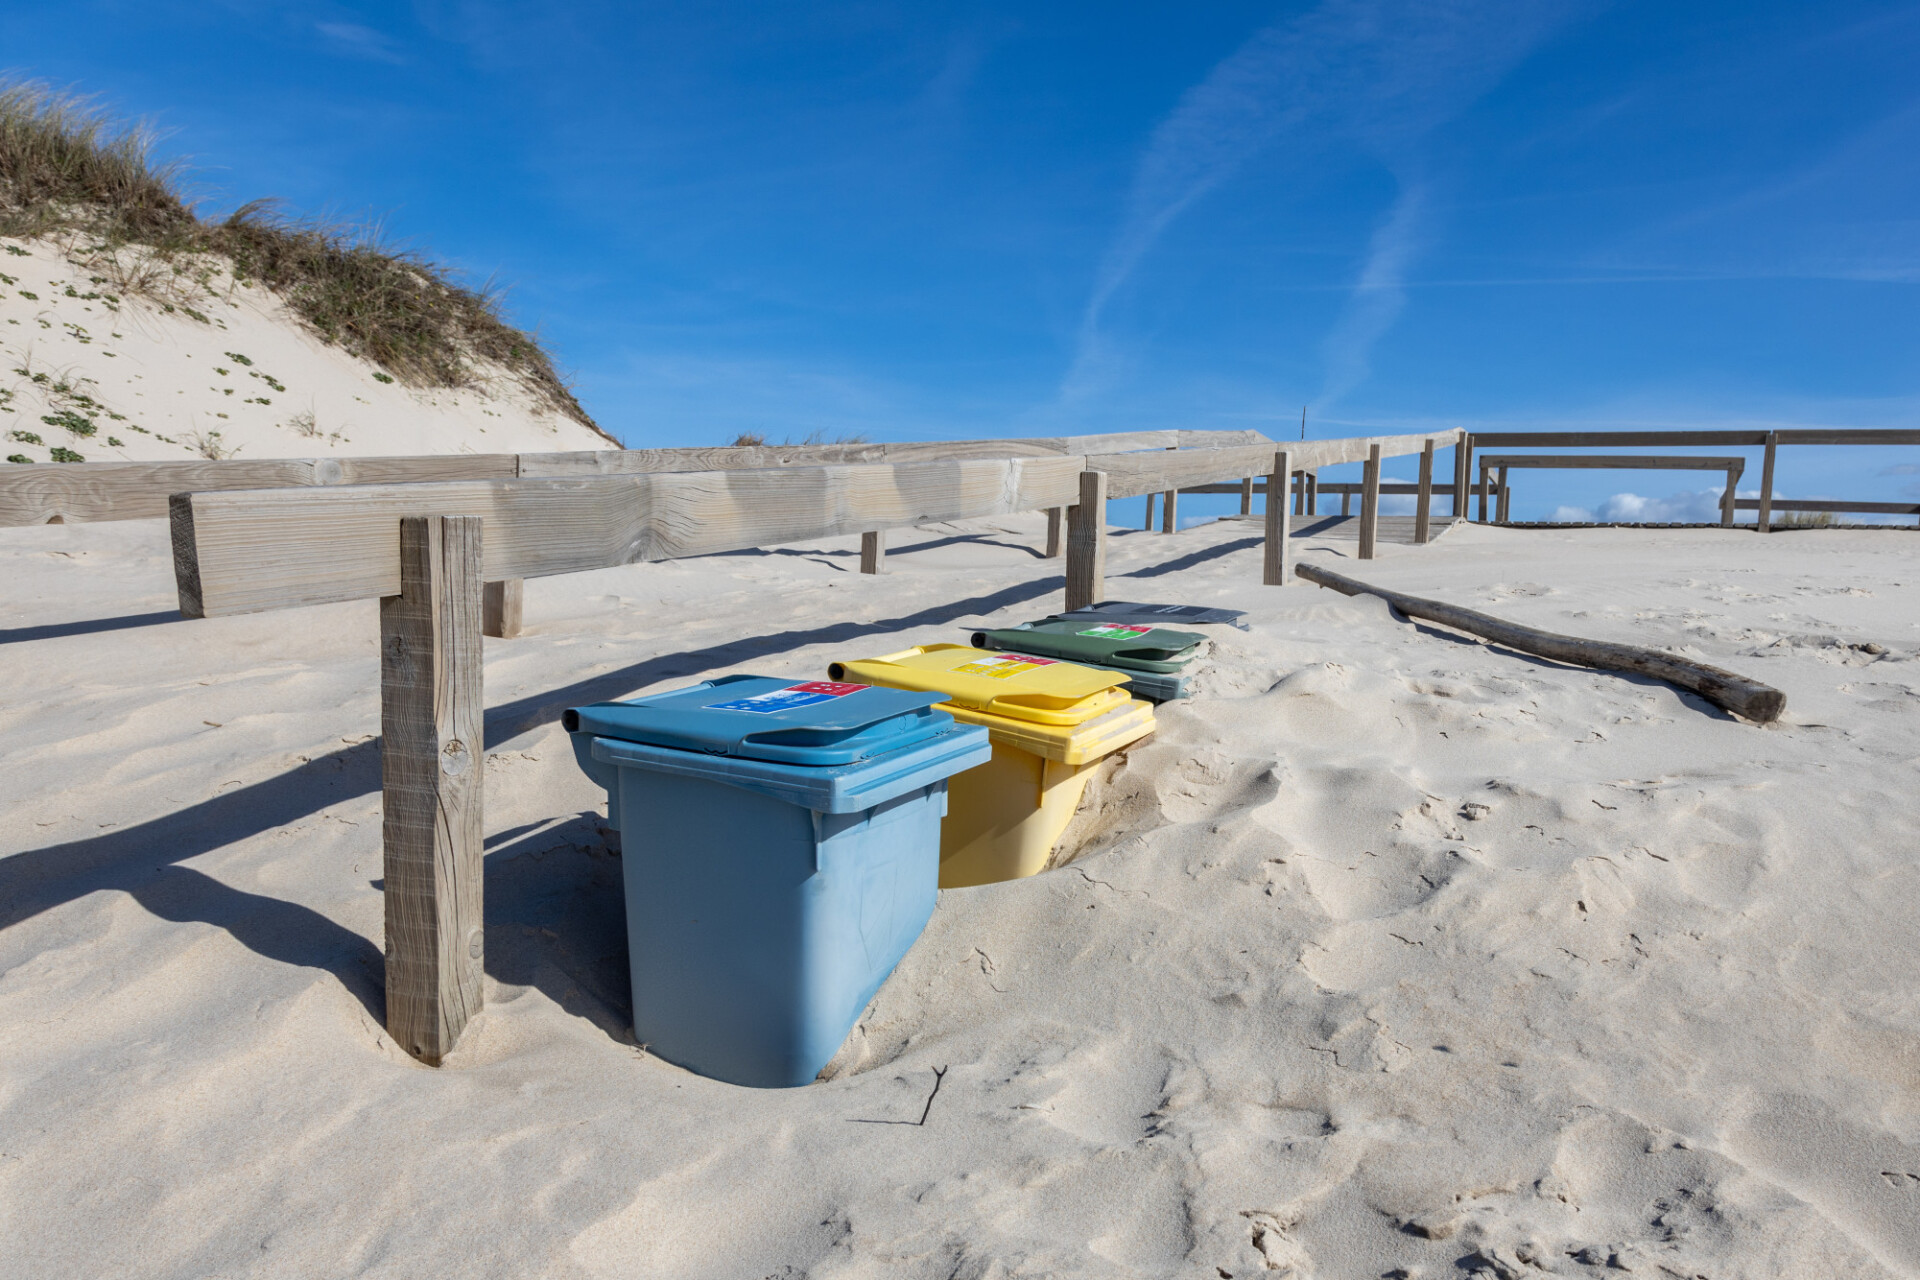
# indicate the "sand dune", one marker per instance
pixel 1390 950
pixel 223 370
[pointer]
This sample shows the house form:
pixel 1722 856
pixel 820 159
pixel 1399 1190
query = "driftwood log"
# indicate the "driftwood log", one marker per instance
pixel 1748 698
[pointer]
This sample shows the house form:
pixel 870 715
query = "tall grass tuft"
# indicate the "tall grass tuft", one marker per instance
pixel 68 165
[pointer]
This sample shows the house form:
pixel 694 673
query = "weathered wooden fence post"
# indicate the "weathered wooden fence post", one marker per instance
pixel 1370 503
pixel 432 760
pixel 1503 505
pixel 1765 521
pixel 1279 561
pixel 873 552
pixel 1054 517
pixel 1170 505
pixel 1087 542
pixel 1423 504
pixel 1481 513
pixel 1246 495
pixel 1148 526
pixel 1313 492
pixel 502 606
pixel 1462 473
pixel 1727 496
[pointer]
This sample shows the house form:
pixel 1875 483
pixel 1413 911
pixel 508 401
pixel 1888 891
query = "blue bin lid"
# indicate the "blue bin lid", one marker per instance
pixel 810 722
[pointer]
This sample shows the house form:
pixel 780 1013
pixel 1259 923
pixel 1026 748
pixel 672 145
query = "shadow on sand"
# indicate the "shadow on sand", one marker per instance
pixel 551 924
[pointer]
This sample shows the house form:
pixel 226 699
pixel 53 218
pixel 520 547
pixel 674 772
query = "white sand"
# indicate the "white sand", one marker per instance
pixel 1389 950
pixel 161 380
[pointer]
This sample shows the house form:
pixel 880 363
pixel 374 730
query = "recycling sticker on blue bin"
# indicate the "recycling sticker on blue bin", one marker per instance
pixel 791 698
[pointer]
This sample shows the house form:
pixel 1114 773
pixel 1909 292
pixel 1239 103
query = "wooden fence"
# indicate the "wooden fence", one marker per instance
pixel 97 491
pixel 426 549
pixel 1768 441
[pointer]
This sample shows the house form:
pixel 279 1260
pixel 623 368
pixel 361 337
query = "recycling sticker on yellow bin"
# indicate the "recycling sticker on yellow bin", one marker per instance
pixel 1004 666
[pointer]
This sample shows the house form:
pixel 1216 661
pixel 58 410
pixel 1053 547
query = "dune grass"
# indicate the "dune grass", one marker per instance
pixel 67 165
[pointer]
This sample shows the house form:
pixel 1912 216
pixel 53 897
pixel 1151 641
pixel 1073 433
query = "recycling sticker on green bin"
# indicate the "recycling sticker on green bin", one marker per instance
pixel 791 697
pixel 1116 631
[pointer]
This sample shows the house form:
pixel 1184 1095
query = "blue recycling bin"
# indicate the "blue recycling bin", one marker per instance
pixel 781 851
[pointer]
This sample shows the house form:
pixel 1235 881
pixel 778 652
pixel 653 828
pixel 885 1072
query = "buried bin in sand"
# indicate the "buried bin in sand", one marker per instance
pixel 1050 723
pixel 1156 659
pixel 780 851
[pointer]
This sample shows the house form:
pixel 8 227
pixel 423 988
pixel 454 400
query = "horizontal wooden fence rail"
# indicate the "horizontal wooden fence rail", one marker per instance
pixel 1129 475
pixel 1836 505
pixel 1769 441
pixel 1387 489
pixel 72 493
pixel 94 491
pixel 242 551
pixel 1500 462
pixel 1132 475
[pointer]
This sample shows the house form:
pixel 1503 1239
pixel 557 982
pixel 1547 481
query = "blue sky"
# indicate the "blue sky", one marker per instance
pixel 918 221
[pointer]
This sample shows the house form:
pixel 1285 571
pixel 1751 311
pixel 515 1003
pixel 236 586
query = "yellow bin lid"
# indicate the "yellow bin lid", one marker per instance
pixel 1060 710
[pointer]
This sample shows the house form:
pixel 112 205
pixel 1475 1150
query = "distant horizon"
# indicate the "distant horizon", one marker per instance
pixel 962 221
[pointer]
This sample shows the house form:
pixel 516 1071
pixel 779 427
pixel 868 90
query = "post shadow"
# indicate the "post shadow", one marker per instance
pixel 90 626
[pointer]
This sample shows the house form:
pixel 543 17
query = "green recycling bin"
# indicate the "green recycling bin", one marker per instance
pixel 1156 657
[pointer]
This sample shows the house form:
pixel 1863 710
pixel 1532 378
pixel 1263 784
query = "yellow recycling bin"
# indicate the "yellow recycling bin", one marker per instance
pixel 1050 722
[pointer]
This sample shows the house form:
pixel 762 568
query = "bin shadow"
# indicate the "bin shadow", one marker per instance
pixel 556 919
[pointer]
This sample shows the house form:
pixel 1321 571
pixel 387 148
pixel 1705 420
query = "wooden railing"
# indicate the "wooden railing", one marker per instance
pixel 97 491
pixel 1768 441
pixel 94 491
pixel 426 549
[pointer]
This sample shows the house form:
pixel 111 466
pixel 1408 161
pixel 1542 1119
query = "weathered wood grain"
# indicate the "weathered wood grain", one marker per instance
pixel 1615 439
pixel 1612 462
pixel 873 551
pixel 502 606
pixel 1277 562
pixel 1462 473
pixel 1848 435
pixel 1260 487
pixel 1766 483
pixel 1129 475
pixel 1749 698
pixel 244 551
pixel 1087 542
pixel 1056 518
pixel 95 491
pixel 432 764
pixel 1423 500
pixel 1837 505
pixel 1370 504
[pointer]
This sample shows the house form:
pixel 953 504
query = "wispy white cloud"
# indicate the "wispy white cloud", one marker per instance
pixel 1377 299
pixel 360 42
pixel 1376 74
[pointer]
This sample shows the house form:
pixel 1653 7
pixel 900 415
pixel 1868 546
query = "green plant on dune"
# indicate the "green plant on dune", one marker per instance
pixel 67 166
pixel 61 454
pixel 78 424
pixel 754 440
pixel 1802 519
pixel 18 457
